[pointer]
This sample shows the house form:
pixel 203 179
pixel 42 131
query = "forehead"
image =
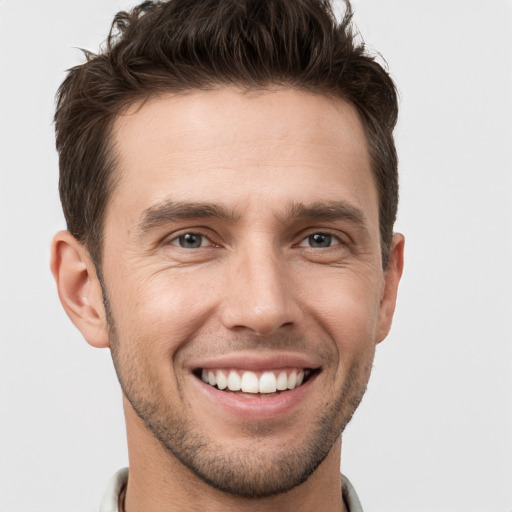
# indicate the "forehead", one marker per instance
pixel 242 148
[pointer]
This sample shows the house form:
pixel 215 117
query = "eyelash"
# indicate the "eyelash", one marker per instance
pixel 176 239
pixel 331 237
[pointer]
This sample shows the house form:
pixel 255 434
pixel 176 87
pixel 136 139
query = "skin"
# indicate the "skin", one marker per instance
pixel 271 164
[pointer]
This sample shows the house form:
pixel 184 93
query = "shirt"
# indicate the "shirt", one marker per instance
pixel 118 482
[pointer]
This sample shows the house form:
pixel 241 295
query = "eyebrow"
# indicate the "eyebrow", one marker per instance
pixel 327 211
pixel 172 211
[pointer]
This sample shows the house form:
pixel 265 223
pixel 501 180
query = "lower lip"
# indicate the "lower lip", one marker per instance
pixel 258 408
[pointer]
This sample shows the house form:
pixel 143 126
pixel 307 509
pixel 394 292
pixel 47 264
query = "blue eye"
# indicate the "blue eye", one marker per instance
pixel 189 241
pixel 319 241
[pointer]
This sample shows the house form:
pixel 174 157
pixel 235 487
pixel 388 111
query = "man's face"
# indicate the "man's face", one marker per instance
pixel 242 247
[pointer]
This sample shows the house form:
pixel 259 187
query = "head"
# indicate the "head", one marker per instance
pixel 229 181
pixel 182 46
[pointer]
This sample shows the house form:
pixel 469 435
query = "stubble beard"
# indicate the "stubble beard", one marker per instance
pixel 251 472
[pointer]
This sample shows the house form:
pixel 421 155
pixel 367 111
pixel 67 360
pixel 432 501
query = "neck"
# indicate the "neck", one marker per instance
pixel 158 481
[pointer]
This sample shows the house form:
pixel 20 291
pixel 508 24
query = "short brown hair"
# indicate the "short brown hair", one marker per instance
pixel 181 45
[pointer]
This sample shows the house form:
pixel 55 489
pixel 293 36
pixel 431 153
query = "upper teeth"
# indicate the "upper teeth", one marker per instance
pixel 249 382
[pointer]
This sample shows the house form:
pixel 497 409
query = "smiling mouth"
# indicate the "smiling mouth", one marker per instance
pixel 253 384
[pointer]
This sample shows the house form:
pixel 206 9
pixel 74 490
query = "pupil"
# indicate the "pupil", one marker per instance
pixel 320 240
pixel 190 241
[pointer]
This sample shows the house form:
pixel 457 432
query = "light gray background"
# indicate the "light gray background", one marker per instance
pixel 434 432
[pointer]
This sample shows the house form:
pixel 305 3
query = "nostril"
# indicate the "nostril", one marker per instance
pixel 263 311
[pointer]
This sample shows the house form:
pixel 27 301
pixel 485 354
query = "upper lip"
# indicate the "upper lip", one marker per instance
pixel 259 362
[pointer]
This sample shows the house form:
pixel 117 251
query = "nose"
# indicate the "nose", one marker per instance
pixel 260 296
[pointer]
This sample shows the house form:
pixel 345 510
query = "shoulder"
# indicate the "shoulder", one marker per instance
pixel 117 483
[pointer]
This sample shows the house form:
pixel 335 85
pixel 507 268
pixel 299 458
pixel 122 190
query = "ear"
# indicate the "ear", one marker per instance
pixel 79 288
pixel 392 277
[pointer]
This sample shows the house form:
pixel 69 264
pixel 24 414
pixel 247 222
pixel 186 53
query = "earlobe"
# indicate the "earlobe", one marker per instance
pixel 79 288
pixel 391 280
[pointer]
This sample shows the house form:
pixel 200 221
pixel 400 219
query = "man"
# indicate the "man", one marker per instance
pixel 229 181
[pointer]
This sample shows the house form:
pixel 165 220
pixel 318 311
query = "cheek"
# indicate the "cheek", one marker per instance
pixel 346 305
pixel 161 312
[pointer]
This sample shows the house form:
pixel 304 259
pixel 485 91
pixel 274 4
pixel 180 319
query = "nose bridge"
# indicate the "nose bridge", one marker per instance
pixel 259 296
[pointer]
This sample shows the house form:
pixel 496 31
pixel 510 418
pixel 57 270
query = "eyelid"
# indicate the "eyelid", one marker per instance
pixel 173 238
pixel 335 235
pixel 338 237
pixel 175 241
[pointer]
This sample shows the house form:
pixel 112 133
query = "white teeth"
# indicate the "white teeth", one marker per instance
pixel 292 380
pixel 222 380
pixel 282 382
pixel 268 383
pixel 234 381
pixel 250 382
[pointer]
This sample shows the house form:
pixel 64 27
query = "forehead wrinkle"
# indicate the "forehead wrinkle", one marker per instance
pixel 169 210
